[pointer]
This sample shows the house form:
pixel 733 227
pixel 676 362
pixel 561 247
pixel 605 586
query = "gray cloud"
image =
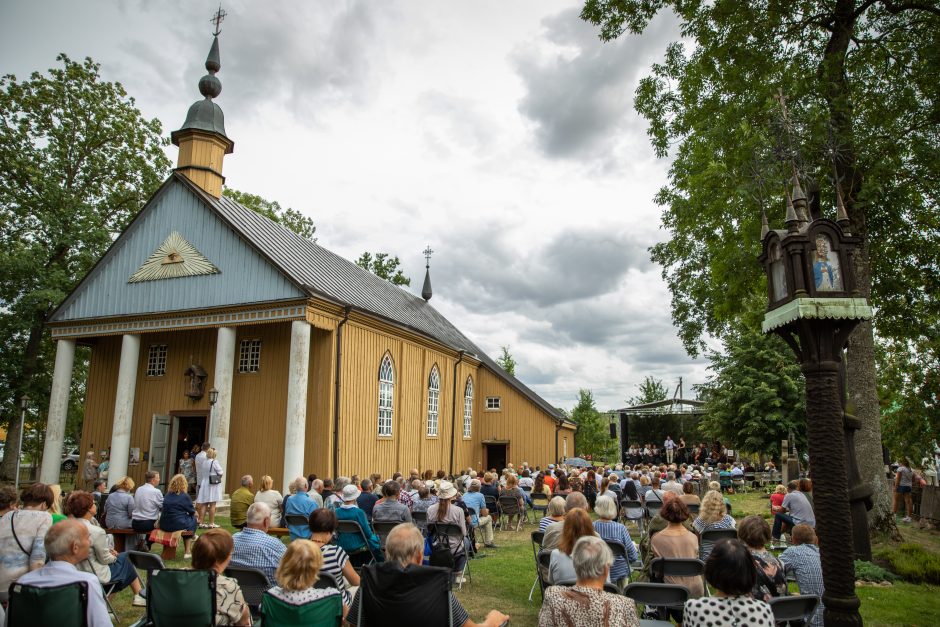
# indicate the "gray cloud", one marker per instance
pixel 579 90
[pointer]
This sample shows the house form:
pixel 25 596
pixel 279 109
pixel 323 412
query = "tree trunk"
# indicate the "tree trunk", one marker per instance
pixel 860 362
pixel 30 362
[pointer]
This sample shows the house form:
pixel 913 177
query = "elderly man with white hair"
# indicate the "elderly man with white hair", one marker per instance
pixel 68 544
pixel 299 504
pixel 586 603
pixel 254 548
pixel 404 550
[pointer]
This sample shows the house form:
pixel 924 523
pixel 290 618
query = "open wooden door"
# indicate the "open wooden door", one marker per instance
pixel 159 441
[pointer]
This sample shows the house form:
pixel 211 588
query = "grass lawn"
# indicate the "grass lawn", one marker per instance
pixel 502 580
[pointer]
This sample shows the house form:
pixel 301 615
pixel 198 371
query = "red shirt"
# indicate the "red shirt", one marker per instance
pixel 550 482
pixel 776 500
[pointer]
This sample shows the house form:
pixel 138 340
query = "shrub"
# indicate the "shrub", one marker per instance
pixel 866 571
pixel 914 563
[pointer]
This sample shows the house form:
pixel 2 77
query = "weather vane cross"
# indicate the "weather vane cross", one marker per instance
pixel 217 20
pixel 427 256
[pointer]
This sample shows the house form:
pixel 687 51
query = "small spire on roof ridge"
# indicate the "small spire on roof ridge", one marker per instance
pixel 426 292
pixel 793 222
pixel 764 226
pixel 799 198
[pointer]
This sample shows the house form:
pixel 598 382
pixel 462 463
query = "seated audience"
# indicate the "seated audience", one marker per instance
pixel 148 501
pixel 445 511
pixel 367 498
pixel 21 535
pixel 730 571
pixel 316 489
pixel 608 528
pixel 272 498
pixel 677 541
pixel 490 487
pixel 336 563
pixel 654 494
pixel 689 497
pixel 404 549
pixel 541 487
pixel 299 504
pixel 425 498
pixel 68 545
pixel 712 515
pixel 577 525
pixel 802 558
pixel 794 509
pixel 242 498
pixel 479 514
pixel 390 508
pixel 554 513
pixel 119 508
pixel 553 532
pixel 297 575
pixel 178 513
pixel 754 532
pixel 253 547
pixel 213 551
pixel 776 499
pixel 103 562
pixel 587 603
pixel 360 551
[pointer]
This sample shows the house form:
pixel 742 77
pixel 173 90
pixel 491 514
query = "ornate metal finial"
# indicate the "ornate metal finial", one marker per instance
pixel 426 292
pixel 842 216
pixel 793 221
pixel 799 198
pixel 217 20
pixel 764 225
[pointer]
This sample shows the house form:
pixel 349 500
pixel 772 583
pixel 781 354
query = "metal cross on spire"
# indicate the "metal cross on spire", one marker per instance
pixel 217 20
pixel 427 256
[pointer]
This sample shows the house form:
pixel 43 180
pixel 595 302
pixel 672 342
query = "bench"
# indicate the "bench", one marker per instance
pixel 169 552
pixel 120 539
pixel 278 531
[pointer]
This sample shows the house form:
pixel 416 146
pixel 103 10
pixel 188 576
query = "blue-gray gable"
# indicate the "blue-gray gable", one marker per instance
pixel 245 276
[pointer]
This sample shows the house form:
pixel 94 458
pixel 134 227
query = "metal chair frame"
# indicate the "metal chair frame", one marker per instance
pixel 353 526
pixel 679 567
pixel 383 528
pixel 253 582
pixel 509 507
pixel 537 538
pixel 794 608
pixel 453 531
pixel 633 510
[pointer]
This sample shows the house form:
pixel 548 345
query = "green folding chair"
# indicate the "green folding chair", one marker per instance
pixel 178 597
pixel 326 612
pixel 63 606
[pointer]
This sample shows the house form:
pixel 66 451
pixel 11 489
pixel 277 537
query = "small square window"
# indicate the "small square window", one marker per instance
pixel 249 356
pixel 493 403
pixel 156 360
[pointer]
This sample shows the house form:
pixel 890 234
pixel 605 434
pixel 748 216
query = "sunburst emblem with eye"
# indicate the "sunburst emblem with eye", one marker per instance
pixel 175 257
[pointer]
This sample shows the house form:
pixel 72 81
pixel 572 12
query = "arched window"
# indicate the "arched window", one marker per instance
pixel 386 394
pixel 467 408
pixel 434 395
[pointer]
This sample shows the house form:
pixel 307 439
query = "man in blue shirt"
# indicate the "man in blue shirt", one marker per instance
pixel 254 548
pixel 359 552
pixel 301 504
pixel 475 502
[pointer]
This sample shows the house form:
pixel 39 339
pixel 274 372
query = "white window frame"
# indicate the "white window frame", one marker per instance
pixel 434 401
pixel 156 360
pixel 249 356
pixel 386 396
pixel 494 403
pixel 468 409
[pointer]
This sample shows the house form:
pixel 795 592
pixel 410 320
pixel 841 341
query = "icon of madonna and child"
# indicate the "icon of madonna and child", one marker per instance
pixel 826 270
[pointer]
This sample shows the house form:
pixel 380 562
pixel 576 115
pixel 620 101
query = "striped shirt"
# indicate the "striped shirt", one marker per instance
pixel 334 559
pixel 545 522
pixel 612 530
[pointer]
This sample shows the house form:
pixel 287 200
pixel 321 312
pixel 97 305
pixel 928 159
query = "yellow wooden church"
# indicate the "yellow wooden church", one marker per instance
pixel 208 321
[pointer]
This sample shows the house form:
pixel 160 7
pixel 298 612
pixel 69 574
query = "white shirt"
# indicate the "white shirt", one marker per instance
pixel 669 444
pixel 59 573
pixel 148 501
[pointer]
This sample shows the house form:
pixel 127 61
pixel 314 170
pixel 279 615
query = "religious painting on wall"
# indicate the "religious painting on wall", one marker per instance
pixel 778 275
pixel 827 273
pixel 134 456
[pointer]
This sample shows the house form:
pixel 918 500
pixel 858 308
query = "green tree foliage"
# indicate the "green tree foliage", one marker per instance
pixel 651 390
pixel 909 387
pixel 593 437
pixel 77 161
pixel 864 111
pixel 290 218
pixel 506 361
pixel 384 267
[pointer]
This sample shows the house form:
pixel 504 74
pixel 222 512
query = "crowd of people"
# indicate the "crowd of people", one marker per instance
pixel 413 505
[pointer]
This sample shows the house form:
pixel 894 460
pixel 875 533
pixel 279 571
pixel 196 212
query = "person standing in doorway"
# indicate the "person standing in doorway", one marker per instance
pixel 670 447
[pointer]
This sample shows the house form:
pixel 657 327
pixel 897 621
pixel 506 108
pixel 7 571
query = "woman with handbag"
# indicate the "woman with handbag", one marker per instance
pixel 210 488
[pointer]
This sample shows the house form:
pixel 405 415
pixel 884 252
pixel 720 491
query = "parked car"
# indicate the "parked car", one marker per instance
pixel 70 460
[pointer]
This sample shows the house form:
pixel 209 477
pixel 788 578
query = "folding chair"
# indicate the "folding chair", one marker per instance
pixel 751 480
pixel 147 562
pixel 657 595
pixel 352 527
pixel 633 511
pixel 420 519
pixel 693 509
pixel 662 567
pixel 652 508
pixel 444 532
pixel 298 520
pixel 108 589
pixel 253 583
pixel 63 606
pixel 608 586
pixel 392 596
pixel 326 612
pixel 619 550
pixel 383 528
pixel 543 562
pixel 539 503
pixel 509 507
pixel 710 537
pixel 794 608
pixel 181 597
pixel 537 537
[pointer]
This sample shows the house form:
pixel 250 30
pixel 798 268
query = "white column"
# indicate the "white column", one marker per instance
pixel 220 422
pixel 124 408
pixel 58 411
pixel 296 423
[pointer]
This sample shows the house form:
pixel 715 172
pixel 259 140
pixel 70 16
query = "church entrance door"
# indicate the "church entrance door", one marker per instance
pixel 496 456
pixel 189 429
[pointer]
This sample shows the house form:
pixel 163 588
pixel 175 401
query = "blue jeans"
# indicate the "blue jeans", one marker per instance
pixel 778 519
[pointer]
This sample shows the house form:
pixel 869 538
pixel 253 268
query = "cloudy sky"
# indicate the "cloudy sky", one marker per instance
pixel 502 134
